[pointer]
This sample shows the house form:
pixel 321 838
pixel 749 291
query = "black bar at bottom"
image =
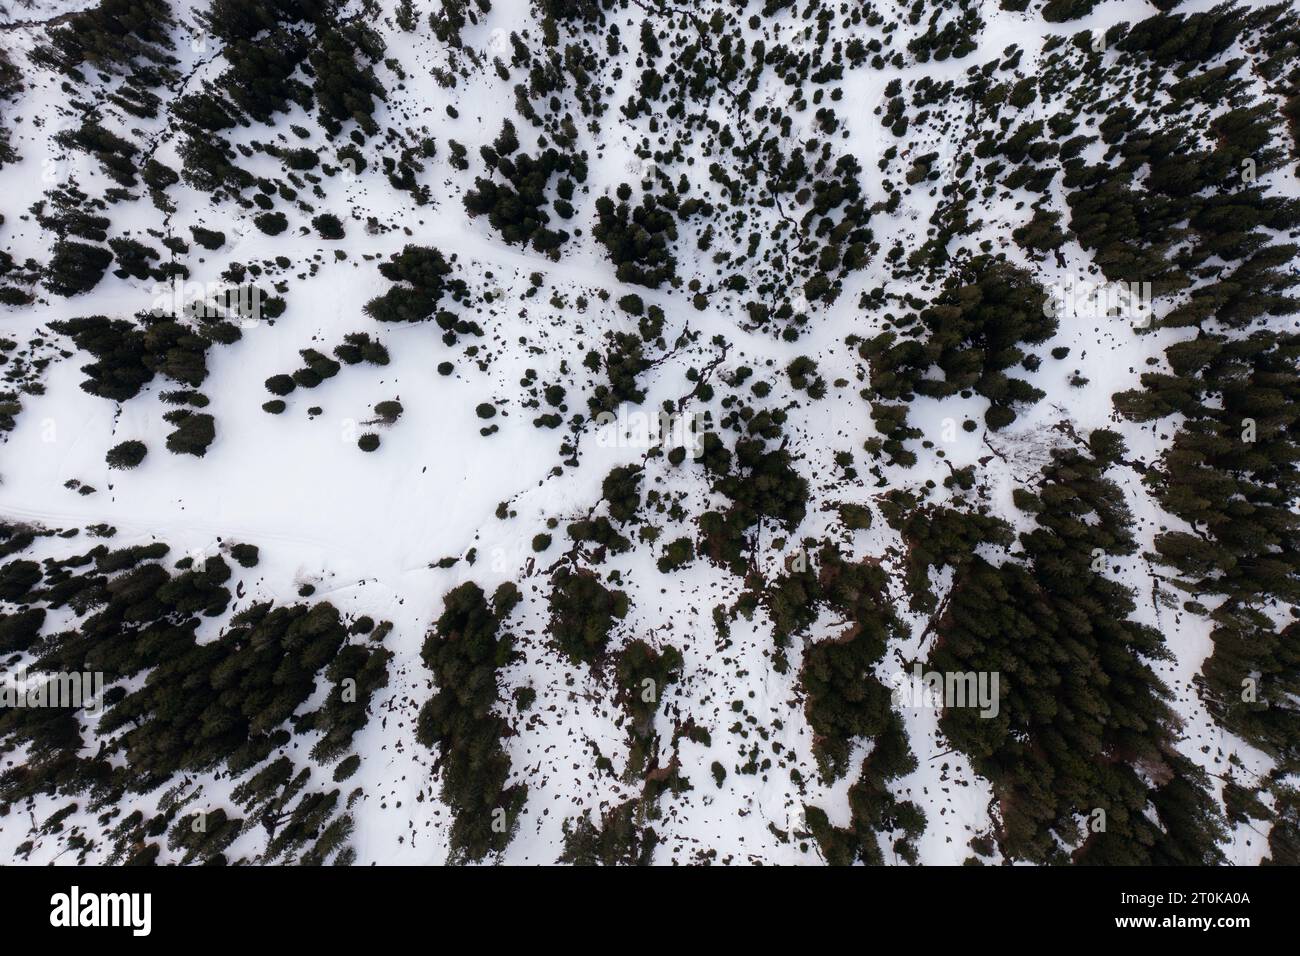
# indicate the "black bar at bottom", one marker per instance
pixel 384 906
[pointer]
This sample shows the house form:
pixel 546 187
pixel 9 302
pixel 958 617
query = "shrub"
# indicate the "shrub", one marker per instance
pixel 76 267
pixel 280 384
pixel 128 454
pixel 676 554
pixel 194 432
pixel 245 554
pixel 423 273
pixel 208 238
pixel 583 612
pixel 271 223
pixel 328 225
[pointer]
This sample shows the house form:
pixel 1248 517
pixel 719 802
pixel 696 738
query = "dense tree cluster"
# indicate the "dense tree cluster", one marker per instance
pixel 623 361
pixel 1083 730
pixel 224 703
pixel 517 207
pixel 642 674
pixel 129 355
pixel 618 840
pixel 345 85
pixel 760 483
pixel 583 612
pixel 11 84
pixel 76 267
pixel 1230 474
pixel 422 277
pixel 267 45
pixel 111 36
pixel 972 334
pixel 465 649
pixel 846 703
pixel 1199 220
pixel 637 238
